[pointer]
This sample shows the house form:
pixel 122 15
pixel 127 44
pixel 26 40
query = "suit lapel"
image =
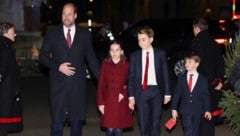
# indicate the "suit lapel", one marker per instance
pixel 74 38
pixel 62 37
pixel 156 62
pixel 197 82
pixel 186 82
pixel 140 62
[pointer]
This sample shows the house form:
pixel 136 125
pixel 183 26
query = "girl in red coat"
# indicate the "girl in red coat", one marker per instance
pixel 112 96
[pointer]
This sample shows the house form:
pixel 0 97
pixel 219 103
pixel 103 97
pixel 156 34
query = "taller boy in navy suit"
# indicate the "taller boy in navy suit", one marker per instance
pixel 192 90
pixel 148 83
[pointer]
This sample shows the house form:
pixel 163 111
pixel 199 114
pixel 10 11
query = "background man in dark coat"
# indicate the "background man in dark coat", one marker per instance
pixel 10 114
pixel 211 66
pixel 64 51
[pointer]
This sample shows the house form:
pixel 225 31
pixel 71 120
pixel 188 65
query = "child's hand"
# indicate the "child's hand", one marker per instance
pixel 167 100
pixel 131 104
pixel 174 114
pixel 219 86
pixel 120 97
pixel 208 115
pixel 101 109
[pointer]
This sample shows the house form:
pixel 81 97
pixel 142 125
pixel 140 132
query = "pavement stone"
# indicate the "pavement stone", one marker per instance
pixel 37 113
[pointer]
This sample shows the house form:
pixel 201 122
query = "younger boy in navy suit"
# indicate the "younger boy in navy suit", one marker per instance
pixel 192 93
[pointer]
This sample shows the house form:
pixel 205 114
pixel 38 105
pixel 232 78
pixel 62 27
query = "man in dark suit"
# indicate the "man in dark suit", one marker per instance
pixel 64 51
pixel 148 83
pixel 192 94
pixel 211 66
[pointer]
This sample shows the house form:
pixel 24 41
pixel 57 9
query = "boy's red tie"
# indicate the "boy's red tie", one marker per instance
pixel 190 82
pixel 145 80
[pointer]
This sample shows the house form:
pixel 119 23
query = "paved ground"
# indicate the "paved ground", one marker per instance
pixel 37 116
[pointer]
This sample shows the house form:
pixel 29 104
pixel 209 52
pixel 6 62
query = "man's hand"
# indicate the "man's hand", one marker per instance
pixel 174 114
pixel 66 69
pixel 208 115
pixel 120 97
pixel 131 104
pixel 101 109
pixel 167 99
pixel 219 86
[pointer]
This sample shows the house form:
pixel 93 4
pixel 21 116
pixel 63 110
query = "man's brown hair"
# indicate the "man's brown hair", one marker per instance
pixel 200 22
pixel 71 5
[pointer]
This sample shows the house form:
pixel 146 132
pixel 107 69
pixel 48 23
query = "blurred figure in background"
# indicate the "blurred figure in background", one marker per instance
pixel 211 66
pixel 237 27
pixel 103 32
pixel 125 25
pixel 10 113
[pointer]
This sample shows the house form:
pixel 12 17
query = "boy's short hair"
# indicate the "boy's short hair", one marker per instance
pixel 146 30
pixel 200 22
pixel 194 57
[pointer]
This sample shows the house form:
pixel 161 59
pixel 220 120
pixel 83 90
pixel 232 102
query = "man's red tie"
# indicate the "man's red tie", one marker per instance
pixel 145 80
pixel 190 82
pixel 69 40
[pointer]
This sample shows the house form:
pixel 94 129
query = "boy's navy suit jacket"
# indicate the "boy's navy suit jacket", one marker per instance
pixel 195 102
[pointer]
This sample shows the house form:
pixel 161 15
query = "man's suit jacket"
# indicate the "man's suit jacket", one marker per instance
pixel 196 102
pixel 68 93
pixel 135 73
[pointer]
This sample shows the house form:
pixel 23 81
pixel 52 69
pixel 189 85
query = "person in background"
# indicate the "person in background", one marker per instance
pixel 211 66
pixel 112 95
pixel 65 50
pixel 192 94
pixel 10 113
pixel 148 83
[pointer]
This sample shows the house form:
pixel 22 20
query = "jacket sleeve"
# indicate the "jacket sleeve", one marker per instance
pixel 206 98
pixel 124 90
pixel 176 96
pixel 45 53
pixel 4 62
pixel 131 76
pixel 101 86
pixel 165 74
pixel 218 65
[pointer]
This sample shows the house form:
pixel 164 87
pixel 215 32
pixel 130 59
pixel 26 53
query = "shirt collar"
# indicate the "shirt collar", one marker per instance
pixel 73 27
pixel 195 73
pixel 150 50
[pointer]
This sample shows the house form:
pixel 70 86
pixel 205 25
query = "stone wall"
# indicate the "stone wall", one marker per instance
pixel 12 11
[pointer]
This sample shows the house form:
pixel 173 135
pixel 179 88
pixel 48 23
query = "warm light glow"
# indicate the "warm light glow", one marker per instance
pixel 90 0
pixel 234 15
pixel 233 7
pixel 50 7
pixel 220 40
pixel 222 21
pixel 208 10
pixel 89 22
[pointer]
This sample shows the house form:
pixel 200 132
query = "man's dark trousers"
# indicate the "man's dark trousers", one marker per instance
pixel 57 128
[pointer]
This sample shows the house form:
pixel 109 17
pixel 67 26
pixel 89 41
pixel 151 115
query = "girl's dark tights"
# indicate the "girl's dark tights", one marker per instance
pixel 114 132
